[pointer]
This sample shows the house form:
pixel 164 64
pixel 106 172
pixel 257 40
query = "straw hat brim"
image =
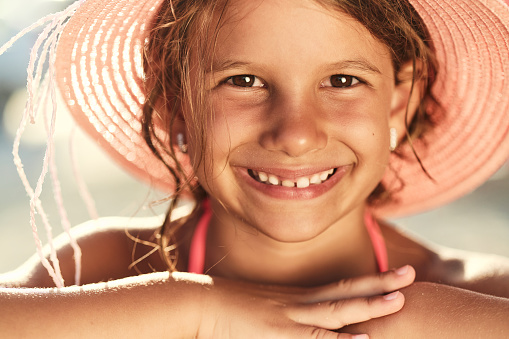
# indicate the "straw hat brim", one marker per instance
pixel 100 75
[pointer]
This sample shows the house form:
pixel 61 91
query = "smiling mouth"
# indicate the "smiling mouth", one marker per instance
pixel 301 182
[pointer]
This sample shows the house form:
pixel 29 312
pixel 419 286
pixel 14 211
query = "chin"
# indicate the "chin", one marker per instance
pixel 292 229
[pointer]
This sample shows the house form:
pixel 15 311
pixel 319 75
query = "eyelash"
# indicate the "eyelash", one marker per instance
pixel 349 80
pixel 230 81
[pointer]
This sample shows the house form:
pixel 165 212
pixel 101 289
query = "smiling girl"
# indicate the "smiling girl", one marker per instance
pixel 293 127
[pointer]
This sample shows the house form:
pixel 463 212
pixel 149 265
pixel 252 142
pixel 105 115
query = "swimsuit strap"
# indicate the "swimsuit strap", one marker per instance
pixel 377 241
pixel 198 242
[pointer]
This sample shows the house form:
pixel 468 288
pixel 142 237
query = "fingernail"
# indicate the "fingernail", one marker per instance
pixel 360 336
pixel 402 270
pixel 391 296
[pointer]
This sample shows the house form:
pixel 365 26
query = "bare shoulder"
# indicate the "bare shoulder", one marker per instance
pixel 107 245
pixel 479 272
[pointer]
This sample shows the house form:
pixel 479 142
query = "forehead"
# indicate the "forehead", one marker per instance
pixel 294 32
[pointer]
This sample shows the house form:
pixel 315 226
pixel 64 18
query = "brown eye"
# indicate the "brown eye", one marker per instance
pixel 245 80
pixel 242 80
pixel 342 81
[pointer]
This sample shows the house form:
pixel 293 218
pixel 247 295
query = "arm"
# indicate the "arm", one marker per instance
pixel 466 296
pixel 438 311
pixel 124 308
pixel 178 304
pixel 188 305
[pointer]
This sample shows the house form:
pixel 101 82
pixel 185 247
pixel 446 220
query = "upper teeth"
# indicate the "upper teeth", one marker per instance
pixel 301 182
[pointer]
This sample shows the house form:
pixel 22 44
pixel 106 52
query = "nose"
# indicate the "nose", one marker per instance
pixel 295 127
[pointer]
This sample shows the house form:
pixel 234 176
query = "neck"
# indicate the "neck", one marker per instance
pixel 241 252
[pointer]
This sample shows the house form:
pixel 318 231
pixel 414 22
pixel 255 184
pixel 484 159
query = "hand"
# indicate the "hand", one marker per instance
pixel 233 309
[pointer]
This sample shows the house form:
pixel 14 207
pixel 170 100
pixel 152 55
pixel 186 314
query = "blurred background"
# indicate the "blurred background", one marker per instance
pixel 479 221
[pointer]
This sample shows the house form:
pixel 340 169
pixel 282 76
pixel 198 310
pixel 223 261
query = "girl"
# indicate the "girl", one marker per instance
pixel 290 125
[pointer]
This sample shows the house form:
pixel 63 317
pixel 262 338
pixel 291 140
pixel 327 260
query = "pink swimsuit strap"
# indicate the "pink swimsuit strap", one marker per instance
pixel 377 241
pixel 198 242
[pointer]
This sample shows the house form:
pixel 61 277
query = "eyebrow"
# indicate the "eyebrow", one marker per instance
pixel 224 65
pixel 360 64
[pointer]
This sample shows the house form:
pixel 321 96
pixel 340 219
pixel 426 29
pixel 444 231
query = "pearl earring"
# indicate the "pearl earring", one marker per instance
pixel 180 142
pixel 393 140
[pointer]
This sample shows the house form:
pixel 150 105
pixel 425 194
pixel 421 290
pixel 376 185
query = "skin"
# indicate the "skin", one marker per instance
pixel 282 263
pixel 193 302
pixel 177 305
pixel 292 122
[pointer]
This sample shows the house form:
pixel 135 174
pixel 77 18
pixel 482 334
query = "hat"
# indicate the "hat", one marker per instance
pixel 99 72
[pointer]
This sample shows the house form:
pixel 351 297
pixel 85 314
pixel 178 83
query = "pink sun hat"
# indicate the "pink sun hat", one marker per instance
pixel 100 75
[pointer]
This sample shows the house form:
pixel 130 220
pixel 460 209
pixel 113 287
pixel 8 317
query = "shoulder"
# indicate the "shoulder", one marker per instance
pixel 479 272
pixel 111 248
pixel 107 246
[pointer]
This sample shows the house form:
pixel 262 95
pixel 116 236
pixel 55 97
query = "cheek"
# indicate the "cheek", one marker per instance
pixel 364 129
pixel 227 128
pixel 364 124
pixel 235 121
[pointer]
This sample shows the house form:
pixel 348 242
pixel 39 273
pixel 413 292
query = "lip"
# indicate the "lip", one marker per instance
pixel 292 193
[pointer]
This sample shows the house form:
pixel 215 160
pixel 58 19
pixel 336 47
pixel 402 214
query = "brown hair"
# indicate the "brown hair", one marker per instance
pixel 186 26
pixel 180 27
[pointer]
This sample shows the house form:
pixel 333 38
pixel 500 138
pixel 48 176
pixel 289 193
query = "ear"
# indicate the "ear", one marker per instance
pixel 162 120
pixel 406 98
pixel 179 128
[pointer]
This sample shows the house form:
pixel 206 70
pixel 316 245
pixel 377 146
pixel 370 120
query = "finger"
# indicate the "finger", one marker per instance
pixel 315 333
pixel 337 314
pixel 365 286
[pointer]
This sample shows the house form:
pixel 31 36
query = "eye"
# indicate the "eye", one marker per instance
pixel 341 81
pixel 245 80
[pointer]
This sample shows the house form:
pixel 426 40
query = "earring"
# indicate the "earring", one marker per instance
pixel 393 140
pixel 180 142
